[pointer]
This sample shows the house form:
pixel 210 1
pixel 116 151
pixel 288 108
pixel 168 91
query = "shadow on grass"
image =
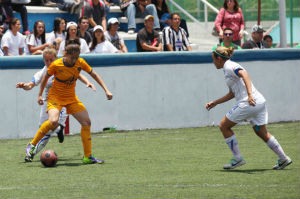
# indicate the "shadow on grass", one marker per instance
pixel 246 171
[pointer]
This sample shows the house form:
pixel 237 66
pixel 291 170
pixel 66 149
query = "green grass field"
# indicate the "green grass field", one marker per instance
pixel 178 163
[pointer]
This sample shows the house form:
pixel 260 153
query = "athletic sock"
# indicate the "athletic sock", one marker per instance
pixel 44 128
pixel 86 140
pixel 274 145
pixel 233 146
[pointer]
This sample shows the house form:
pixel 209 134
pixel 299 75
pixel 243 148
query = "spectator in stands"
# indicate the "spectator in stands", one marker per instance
pixel 140 8
pixel 297 46
pixel 100 44
pixel 164 15
pixel 231 16
pixel 71 6
pixel 58 34
pixel 94 10
pixel 83 32
pixel 36 41
pixel 72 37
pixel 13 41
pixel 227 40
pixel 8 13
pixel 269 40
pixel 175 37
pixel 256 42
pixel 112 35
pixel 148 39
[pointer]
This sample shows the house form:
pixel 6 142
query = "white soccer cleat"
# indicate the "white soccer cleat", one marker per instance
pixel 234 163
pixel 281 164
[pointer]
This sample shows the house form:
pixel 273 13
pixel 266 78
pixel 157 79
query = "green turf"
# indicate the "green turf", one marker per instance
pixel 180 163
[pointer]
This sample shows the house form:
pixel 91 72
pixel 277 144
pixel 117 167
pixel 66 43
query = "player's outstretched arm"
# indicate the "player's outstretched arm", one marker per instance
pixel 85 80
pixel 98 79
pixel 25 86
pixel 221 100
pixel 246 78
pixel 43 84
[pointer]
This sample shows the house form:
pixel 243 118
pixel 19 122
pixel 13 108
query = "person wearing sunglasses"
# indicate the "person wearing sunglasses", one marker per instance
pixel 231 16
pixel 227 40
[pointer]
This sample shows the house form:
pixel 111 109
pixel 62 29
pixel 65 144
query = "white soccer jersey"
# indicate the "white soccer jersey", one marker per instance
pixel 237 85
pixel 37 78
pixel 84 48
pixel 13 42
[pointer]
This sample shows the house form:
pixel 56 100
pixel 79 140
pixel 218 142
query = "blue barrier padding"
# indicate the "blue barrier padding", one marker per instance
pixel 155 58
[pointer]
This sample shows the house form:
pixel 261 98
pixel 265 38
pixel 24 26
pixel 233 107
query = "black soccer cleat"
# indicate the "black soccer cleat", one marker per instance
pixel 60 134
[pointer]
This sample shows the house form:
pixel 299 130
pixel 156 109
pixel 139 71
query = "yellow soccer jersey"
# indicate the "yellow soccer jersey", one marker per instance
pixel 63 87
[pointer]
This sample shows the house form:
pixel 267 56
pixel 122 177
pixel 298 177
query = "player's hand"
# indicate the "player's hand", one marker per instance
pixel 92 86
pixel 20 85
pixel 251 101
pixel 210 105
pixel 40 100
pixel 109 95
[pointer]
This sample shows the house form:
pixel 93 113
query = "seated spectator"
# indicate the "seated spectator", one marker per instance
pixel 112 35
pixel 148 39
pixel 72 36
pixel 13 41
pixel 228 40
pixel 100 44
pixel 175 37
pixel 256 42
pixel 269 40
pixel 36 41
pixel 71 6
pixel 58 34
pixel 9 7
pixel 83 32
pixel 231 16
pixel 94 10
pixel 140 8
pixel 164 15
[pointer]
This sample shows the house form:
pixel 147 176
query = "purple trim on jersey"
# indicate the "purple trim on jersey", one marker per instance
pixel 236 71
pixel 91 71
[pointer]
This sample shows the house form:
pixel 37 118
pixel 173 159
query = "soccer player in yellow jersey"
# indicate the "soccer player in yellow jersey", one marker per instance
pixel 62 94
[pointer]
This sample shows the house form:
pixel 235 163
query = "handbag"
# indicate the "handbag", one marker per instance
pixel 125 3
pixel 214 30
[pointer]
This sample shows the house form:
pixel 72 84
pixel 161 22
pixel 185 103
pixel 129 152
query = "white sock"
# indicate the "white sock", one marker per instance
pixel 274 145
pixel 57 129
pixel 234 147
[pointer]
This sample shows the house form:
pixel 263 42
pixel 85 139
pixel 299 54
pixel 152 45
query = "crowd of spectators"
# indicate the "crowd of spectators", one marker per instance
pixel 96 33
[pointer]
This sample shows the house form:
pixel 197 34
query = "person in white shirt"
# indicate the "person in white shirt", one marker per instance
pixel 36 42
pixel 112 35
pixel 100 44
pixel 72 36
pixel 58 34
pixel 251 106
pixel 13 41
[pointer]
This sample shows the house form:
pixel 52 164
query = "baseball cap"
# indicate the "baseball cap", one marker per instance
pixel 148 17
pixel 112 21
pixel 71 23
pixel 98 27
pixel 257 28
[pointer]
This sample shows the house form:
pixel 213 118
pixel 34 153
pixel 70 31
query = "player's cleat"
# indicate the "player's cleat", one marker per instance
pixel 91 160
pixel 234 163
pixel 60 134
pixel 281 164
pixel 29 151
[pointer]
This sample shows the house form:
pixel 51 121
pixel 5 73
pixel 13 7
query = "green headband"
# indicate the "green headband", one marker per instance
pixel 221 55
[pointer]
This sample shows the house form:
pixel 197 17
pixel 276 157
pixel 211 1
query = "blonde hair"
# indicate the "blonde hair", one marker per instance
pixel 50 51
pixel 224 52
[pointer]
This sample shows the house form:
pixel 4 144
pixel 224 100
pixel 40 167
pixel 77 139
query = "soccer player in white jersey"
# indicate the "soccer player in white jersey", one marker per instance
pixel 49 55
pixel 251 106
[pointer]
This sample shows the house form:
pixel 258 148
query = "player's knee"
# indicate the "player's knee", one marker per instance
pixel 86 122
pixel 222 126
pixel 54 123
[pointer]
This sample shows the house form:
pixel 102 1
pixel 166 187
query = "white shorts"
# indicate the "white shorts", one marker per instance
pixel 44 115
pixel 257 115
